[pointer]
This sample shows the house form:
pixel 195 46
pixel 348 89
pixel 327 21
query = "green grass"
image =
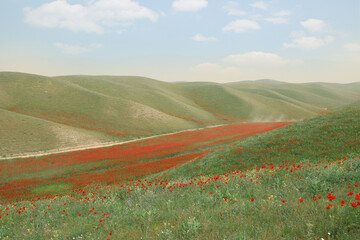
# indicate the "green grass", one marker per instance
pixel 113 108
pixel 311 158
pixel 21 134
pixel 51 189
pixel 193 213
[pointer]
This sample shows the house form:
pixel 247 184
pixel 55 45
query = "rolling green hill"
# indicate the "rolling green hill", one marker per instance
pixel 40 113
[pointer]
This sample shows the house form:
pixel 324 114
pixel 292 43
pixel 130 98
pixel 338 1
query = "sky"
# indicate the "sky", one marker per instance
pixel 184 40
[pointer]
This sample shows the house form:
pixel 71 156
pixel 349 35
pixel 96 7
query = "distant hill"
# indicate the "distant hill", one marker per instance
pixel 39 113
pixel 354 85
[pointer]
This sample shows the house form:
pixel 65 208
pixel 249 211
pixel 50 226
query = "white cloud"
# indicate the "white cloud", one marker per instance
pixel 234 12
pixel 231 9
pixel 302 41
pixel 200 38
pixel 352 47
pixel 329 39
pixel 258 58
pixel 71 49
pixel 279 17
pixel 313 25
pixel 283 13
pixel 62 15
pixel 121 10
pixel 256 17
pixel 92 17
pixel 276 20
pixel 189 5
pixel 96 45
pixel 262 5
pixel 305 43
pixel 240 26
pixel 250 65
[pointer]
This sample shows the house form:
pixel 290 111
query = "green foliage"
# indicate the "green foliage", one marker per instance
pixel 53 188
pixel 190 227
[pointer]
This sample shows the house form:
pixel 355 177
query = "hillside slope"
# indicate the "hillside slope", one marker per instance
pixel 324 138
pixel 110 108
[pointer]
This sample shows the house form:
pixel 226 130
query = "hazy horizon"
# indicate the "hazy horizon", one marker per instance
pixel 184 40
pixel 245 80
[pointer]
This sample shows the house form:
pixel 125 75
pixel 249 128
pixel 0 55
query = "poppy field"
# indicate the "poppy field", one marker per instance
pixel 300 181
pixel 22 178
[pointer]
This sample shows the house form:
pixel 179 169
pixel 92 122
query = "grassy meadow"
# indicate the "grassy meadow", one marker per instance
pixel 300 181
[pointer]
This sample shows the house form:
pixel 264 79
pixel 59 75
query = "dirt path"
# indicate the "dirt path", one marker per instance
pixel 98 145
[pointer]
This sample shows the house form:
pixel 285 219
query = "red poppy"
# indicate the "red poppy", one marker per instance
pixel 357 197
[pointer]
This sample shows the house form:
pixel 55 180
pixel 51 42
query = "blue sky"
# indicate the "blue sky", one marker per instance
pixel 184 40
